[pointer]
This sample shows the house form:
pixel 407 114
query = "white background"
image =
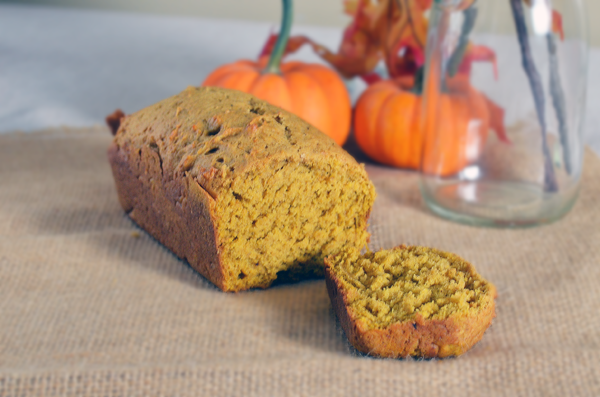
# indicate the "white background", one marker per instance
pixel 72 67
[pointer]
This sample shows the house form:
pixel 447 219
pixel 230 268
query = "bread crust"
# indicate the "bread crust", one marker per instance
pixel 175 211
pixel 419 337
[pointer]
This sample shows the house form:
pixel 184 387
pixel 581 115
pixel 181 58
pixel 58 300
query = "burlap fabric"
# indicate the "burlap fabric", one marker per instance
pixel 92 306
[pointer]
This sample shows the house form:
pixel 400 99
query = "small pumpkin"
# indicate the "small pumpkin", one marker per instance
pixel 311 91
pixel 387 125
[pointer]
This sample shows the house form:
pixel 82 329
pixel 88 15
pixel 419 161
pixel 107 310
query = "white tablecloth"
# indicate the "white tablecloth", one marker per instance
pixel 73 67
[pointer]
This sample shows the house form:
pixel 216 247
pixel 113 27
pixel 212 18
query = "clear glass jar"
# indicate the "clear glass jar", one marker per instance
pixel 503 105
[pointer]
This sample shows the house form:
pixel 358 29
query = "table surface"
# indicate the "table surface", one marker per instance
pixel 90 305
pixel 73 67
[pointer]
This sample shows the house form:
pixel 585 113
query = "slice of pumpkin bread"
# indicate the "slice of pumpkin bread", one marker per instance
pixel 409 301
pixel 240 189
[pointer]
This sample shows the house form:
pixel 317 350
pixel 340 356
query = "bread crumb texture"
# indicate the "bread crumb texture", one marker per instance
pixel 283 195
pixel 418 287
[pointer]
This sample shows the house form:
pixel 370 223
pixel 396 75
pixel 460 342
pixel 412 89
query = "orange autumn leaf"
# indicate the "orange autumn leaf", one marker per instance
pixel 294 43
pixel 496 114
pixel 478 53
pixel 557 24
pixel 417 22
pixel 405 58
pixel 424 4
pixel 360 49
pixel 404 40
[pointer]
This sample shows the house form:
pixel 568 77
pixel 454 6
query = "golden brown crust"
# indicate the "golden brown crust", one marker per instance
pixel 176 212
pixel 419 337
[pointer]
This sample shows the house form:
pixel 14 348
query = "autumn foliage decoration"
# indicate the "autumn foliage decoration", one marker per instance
pixel 387 117
pixel 314 92
pixel 386 121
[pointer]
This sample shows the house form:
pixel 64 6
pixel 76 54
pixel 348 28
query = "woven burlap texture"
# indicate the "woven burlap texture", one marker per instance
pixel 90 305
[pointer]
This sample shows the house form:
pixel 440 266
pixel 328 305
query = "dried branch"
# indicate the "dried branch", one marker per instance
pixel 550 182
pixel 558 100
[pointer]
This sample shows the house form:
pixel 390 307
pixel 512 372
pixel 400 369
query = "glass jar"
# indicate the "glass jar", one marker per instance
pixel 503 102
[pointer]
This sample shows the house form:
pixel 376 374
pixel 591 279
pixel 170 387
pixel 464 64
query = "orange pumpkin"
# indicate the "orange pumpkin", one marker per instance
pixel 313 92
pixel 387 125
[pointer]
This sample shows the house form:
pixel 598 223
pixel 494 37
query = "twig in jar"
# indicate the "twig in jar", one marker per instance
pixel 550 182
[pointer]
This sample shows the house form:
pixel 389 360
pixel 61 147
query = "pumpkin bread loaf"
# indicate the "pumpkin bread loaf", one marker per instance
pixel 240 189
pixel 409 301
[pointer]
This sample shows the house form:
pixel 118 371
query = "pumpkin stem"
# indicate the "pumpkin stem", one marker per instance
pixel 282 39
pixel 417 88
